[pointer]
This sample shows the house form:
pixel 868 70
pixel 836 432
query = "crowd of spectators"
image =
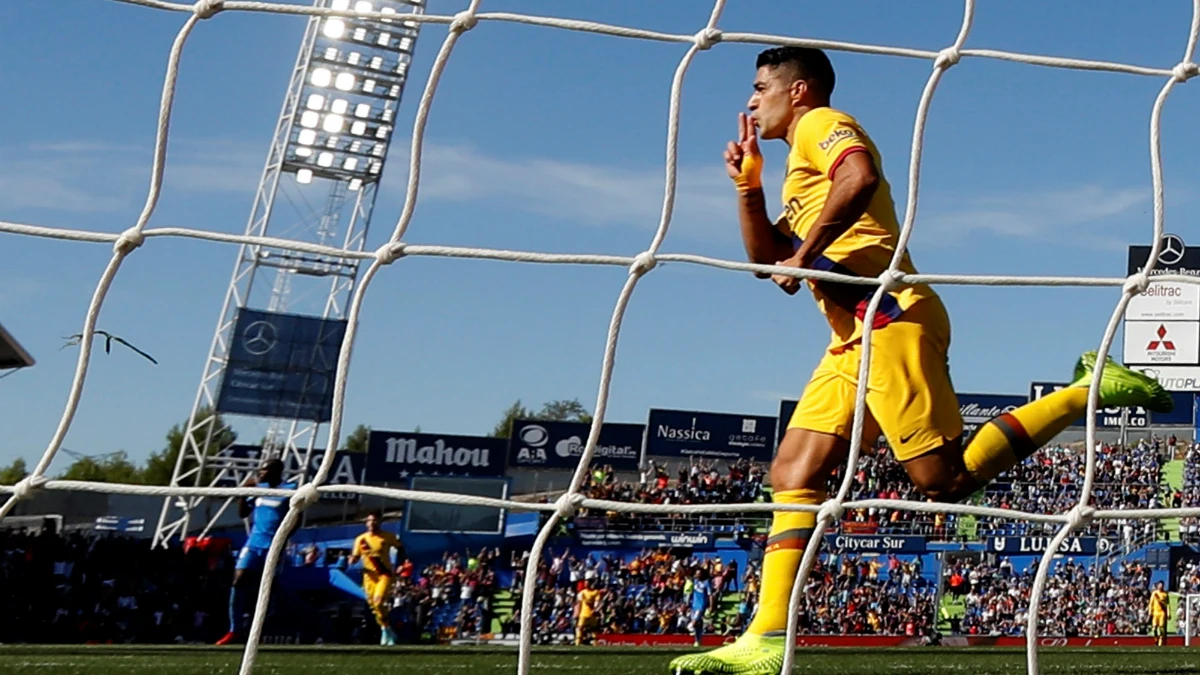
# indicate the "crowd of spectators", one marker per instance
pixel 879 476
pixel 1079 599
pixel 88 588
pixel 1048 482
pixel 846 595
pixel 853 595
pixel 648 594
pixel 98 589
pixel 695 481
pixel 464 583
pixel 1189 528
pixel 85 588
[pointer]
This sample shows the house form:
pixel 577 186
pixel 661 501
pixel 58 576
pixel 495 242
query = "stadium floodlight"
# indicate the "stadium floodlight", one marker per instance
pixel 353 82
pixel 12 354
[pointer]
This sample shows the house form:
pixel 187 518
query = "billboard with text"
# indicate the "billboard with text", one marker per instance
pixel 1165 301
pixel 396 455
pixel 1106 418
pixel 1174 378
pixel 977 409
pixel 348 468
pixel 687 433
pixel 281 365
pixel 537 444
pixel 1167 343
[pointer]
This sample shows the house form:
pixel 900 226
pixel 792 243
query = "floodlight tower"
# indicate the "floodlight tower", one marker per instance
pixel 332 137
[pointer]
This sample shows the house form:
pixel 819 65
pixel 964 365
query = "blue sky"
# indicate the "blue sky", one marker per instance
pixel 554 141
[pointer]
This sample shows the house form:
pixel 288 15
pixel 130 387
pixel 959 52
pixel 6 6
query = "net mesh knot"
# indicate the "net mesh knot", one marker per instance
pixel 706 38
pixel 949 56
pixel 305 496
pixel 890 279
pixel 463 22
pixel 129 240
pixel 206 8
pixel 1081 516
pixel 1185 71
pixel 389 252
pixel 642 263
pixel 26 486
pixel 1136 283
pixel 831 512
pixel 566 505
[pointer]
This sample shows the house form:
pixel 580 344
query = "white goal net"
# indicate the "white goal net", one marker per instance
pixel 396 249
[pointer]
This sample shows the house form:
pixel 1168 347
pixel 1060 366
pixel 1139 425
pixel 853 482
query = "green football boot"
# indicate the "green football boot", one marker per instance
pixel 748 655
pixel 1122 387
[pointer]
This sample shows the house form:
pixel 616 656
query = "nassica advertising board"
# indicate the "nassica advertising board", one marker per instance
pixel 688 433
pixel 538 444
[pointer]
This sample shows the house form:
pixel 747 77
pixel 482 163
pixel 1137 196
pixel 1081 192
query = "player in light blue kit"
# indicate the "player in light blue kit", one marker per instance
pixel 268 513
pixel 701 602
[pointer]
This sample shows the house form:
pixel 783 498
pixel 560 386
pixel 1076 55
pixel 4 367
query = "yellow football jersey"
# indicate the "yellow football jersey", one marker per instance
pixel 376 551
pixel 588 598
pixel 1159 602
pixel 822 140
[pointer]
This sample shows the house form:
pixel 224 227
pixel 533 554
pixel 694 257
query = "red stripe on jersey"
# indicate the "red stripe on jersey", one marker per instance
pixel 842 157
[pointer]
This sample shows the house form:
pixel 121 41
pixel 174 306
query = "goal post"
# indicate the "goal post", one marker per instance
pixel 1191 618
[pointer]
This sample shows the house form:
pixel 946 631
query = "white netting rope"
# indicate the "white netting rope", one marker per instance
pixel 709 36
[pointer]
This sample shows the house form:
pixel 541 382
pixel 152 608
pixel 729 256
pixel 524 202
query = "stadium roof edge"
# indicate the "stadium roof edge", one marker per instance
pixel 12 354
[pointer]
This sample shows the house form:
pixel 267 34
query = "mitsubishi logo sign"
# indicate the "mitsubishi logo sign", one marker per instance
pixel 1161 341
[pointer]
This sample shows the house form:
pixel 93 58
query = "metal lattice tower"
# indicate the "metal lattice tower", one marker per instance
pixel 332 138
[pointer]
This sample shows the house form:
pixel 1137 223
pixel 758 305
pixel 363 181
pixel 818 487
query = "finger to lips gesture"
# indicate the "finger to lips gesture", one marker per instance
pixel 743 159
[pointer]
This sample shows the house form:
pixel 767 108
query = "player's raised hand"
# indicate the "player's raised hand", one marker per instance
pixel 743 160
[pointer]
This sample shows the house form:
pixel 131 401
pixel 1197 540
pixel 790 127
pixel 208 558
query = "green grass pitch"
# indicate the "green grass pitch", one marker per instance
pixel 341 660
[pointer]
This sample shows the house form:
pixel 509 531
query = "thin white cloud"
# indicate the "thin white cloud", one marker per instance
pixel 82 176
pixel 1087 216
pixel 85 176
pixel 589 193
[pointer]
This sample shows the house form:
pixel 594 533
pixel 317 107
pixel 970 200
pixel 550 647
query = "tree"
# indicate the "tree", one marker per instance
pixel 112 468
pixel 561 410
pixel 13 473
pixel 357 440
pixel 160 466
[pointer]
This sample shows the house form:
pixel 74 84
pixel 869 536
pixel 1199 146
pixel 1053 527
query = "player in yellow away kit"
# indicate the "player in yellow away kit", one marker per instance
pixel 587 618
pixel 838 216
pixel 374 547
pixel 1160 604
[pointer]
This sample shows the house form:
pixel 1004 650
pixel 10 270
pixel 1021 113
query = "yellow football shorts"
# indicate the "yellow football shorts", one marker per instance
pixel 377 588
pixel 910 398
pixel 1158 620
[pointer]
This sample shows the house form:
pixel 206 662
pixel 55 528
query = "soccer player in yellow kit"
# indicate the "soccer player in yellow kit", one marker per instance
pixel 586 618
pixel 838 216
pixel 1160 604
pixel 374 547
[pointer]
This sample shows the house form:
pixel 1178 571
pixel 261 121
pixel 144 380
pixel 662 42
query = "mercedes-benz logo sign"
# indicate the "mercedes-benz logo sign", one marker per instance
pixel 259 337
pixel 1172 249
